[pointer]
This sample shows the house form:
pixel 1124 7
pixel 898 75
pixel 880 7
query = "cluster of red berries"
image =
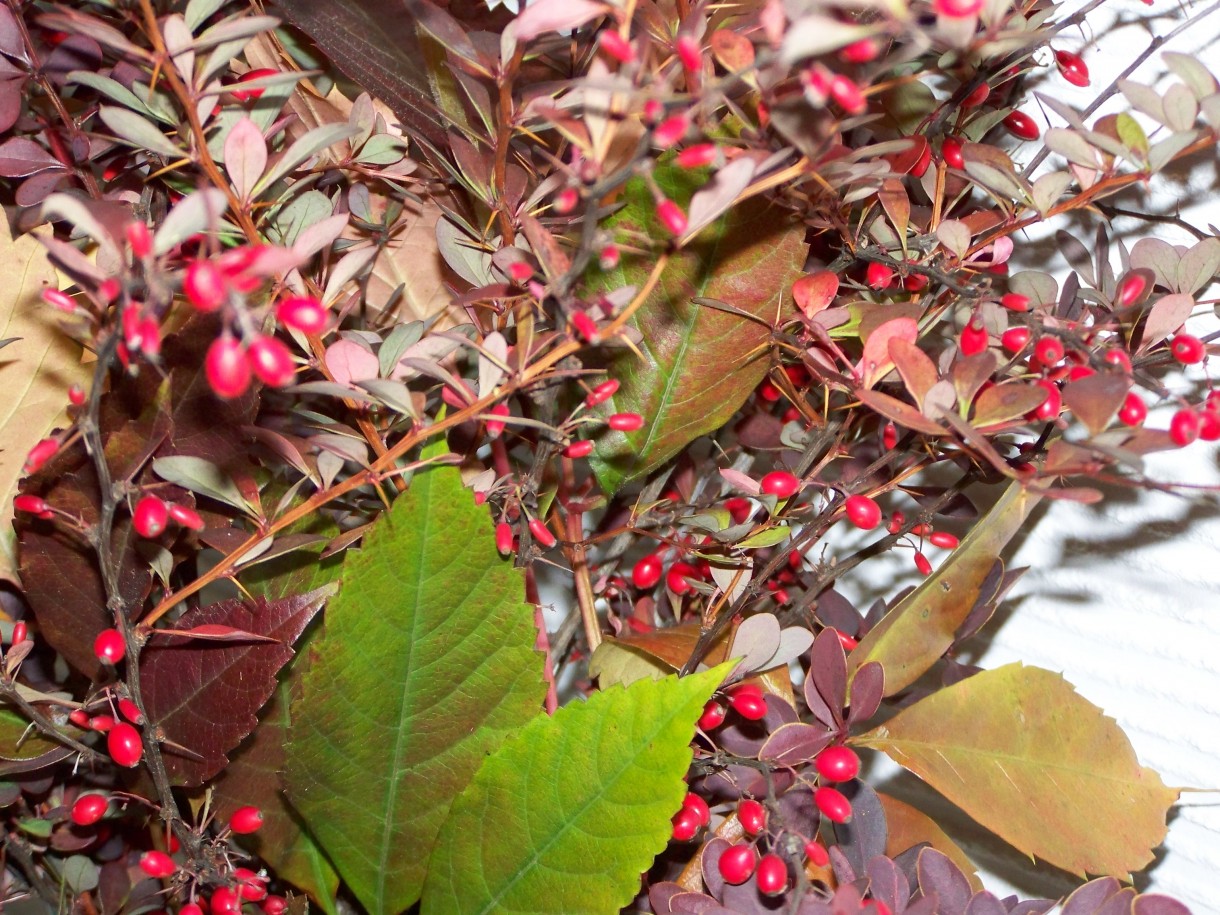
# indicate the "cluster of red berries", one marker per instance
pixel 152 516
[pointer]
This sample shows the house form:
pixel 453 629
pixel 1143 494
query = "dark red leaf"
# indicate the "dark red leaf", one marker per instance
pixel 20 156
pixel 206 697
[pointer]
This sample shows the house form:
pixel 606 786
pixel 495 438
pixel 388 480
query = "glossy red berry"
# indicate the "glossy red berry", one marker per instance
pixel 541 533
pixel 566 200
pixel 1021 125
pixel 150 517
pixel 1049 408
pixel 225 902
pixel 1015 339
pixel 625 422
pixel 1119 358
pixel 601 393
pixel 685 825
pixel 713 716
pixel 250 886
pixel 205 286
pixel 21 632
pixel 817 854
pixel 878 276
pixel 578 449
pixel 974 338
pixel 39 455
pixel 271 361
pixel 1133 411
pixel 977 96
pixel 504 538
pixel 89 808
pixel 671 131
pixel 1209 425
pixel 749 702
pixel 140 239
pixel 860 52
pixel 33 505
pixel 76 395
pixel 957 9
pixel 833 804
pixel 302 313
pixel 246 820
pixel 848 642
pixel 1184 427
pixel 922 563
pixel 944 540
pixel 616 46
pixel 1131 290
pixel 951 150
pixel 838 764
pixel 187 517
pixel 1015 302
pixel 275 905
pixel 676 577
pixel 109 647
pixel 752 816
pixel 157 864
pixel 737 864
pixel 772 875
pixel 697 804
pixel 889 436
pixel 689 52
pixel 130 711
pixel 609 256
pixel 863 512
pixel 1187 349
pixel 79 717
pixel 646 573
pixel 1072 68
pixel 1048 351
pixel 124 744
pixel 670 215
pixel 101 723
pixel 249 95
pixel 226 367
pixel 780 483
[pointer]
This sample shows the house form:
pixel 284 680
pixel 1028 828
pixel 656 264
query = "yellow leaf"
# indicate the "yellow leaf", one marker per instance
pixel 35 370
pixel 1036 763
pixel 411 259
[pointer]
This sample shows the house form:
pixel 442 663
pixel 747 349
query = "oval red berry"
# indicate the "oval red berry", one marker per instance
pixel 737 864
pixel 772 876
pixel 780 483
pixel 863 512
pixel 838 764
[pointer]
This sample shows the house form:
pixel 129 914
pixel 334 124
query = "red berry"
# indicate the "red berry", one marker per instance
pixel 713 716
pixel 249 95
pixel 79 717
pixel 1015 302
pixel 944 540
pixel 275 905
pixel 1049 408
pixel 749 702
pixel 739 509
pixel 226 367
pixel 271 361
pixel 974 338
pixel 897 520
pixel 541 533
pixel 676 578
pixel 1133 411
pixel 1131 290
pixel 302 313
pixel 1015 339
pixel 951 150
pixel 838 764
pixel 848 642
pixel 101 723
pixel 685 825
pixel 957 9
pixel 834 806
pixel 847 94
pixel 670 132
pixel 737 864
pixel 250 886
pixel 496 426
pixel 601 393
pixel 752 816
pixel 566 200
pixel 780 483
pixel 585 326
pixel 186 517
pixel 130 711
pixel 89 808
pixel 125 746
pixel 863 512
pixel 697 804
pixel 646 573
pixel 772 875
pixel 140 239
pixel 1022 126
pixel 670 215
pixel 579 449
pixel 616 46
pixel 860 52
pixel 816 852
pixel 246 820
pixel 923 564
pixel 1187 349
pixel 689 52
pixel 608 257
pixel 205 286
pixel 1048 351
pixel 150 518
pixel 59 300
pixel 109 647
pixel 504 538
pixel 1209 425
pixel 33 505
pixel 977 96
pixel 225 902
pixel 878 276
pixel 1184 427
pixel 1119 358
pixel 1072 68
pixel 157 864
pixel 76 395
pixel 625 422
pixel 889 436
pixel 39 455
pixel 21 632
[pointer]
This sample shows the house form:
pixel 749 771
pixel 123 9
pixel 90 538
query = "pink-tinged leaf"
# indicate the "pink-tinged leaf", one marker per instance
pixel 214 633
pixel 901 413
pixel 1096 398
pixel 245 156
pixel 740 481
pixel 1006 402
pixel 917 370
pixel 876 363
pixel 815 291
pixel 206 697
pixel 349 362
pixel 1165 317
pixel 710 203
pixel 20 157
pixel 11 43
pixel 544 16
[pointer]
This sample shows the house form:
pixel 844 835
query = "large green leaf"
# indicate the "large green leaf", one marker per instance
pixel 425 665
pixel 569 812
pixel 914 635
pixel 700 363
pixel 1040 766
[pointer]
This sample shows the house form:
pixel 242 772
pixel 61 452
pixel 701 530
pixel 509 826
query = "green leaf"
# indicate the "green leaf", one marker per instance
pixel 1040 766
pixel 700 363
pixel 13 728
pixel 569 812
pixel 134 130
pixel 425 665
pixel 912 637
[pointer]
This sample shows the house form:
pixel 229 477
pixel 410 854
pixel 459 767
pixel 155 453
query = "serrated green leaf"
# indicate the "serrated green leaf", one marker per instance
pixel 568 813
pixel 1040 766
pixel 700 363
pixel 911 637
pixel 425 665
